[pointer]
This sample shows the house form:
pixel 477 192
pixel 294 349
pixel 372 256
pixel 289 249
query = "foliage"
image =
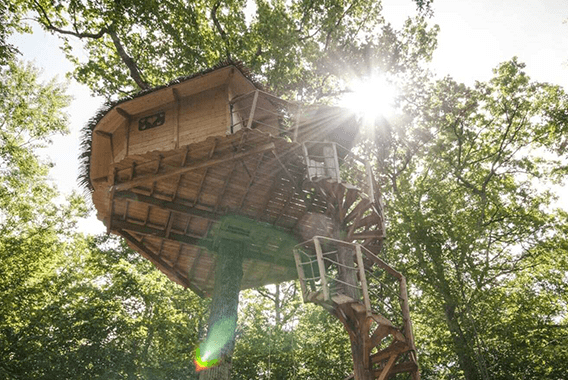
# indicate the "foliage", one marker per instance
pixel 281 338
pixel 470 218
pixel 104 312
pixel 29 219
pixel 11 20
pixel 300 48
pixel 74 307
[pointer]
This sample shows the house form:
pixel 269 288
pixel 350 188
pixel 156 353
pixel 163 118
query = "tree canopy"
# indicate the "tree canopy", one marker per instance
pixel 299 48
pixel 465 172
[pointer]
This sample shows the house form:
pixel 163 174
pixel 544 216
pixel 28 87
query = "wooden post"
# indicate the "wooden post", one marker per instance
pixel 370 182
pixel 220 340
pixel 363 279
pixel 408 325
pixel 357 325
pixel 301 275
pixel 321 267
pixel 296 124
pixel 177 107
pixel 346 272
pixel 336 158
pixel 252 109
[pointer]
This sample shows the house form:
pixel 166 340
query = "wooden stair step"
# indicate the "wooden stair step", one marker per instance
pixel 403 367
pixel 396 348
pixel 342 299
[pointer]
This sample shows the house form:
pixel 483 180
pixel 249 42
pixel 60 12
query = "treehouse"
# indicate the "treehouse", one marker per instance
pixel 212 158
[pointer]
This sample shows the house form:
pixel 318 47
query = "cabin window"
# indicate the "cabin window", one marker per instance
pixel 152 121
pixel 321 160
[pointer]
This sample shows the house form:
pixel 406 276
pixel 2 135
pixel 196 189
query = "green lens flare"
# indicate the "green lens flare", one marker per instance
pixel 201 363
pixel 219 335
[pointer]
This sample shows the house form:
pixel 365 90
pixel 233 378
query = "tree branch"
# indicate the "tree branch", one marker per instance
pixel 128 60
pixel 220 28
pixel 47 23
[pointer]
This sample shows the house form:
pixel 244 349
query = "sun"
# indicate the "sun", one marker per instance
pixel 370 97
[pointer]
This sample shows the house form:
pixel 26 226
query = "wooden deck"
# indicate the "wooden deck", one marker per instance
pixel 165 203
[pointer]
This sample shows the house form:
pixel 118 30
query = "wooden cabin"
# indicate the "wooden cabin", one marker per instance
pixel 175 169
pixel 165 166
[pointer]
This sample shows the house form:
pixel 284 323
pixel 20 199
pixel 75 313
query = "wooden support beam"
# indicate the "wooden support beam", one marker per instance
pixel 367 235
pixel 204 163
pixel 124 114
pixel 195 264
pixel 174 206
pixel 176 261
pixel 251 180
pixel 119 224
pixel 406 313
pixel 348 200
pixel 363 278
pixel 387 368
pixel 103 134
pixel 378 335
pixel 403 367
pixel 321 267
pixel 230 175
pixel 170 223
pixel 361 207
pixel 301 274
pixel 178 179
pixel 202 180
pixel 177 98
pixel 159 262
pixel 395 349
pixel 240 97
pixel 375 259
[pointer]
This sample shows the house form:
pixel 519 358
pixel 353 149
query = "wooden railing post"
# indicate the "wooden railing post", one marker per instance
pixel 321 267
pixel 363 279
pixel 370 181
pixel 301 274
pixel 336 159
pixel 408 325
pixel 296 124
pixel 252 109
pixel 406 313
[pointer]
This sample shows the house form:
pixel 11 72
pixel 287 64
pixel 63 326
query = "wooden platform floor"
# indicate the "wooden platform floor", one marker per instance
pixel 165 203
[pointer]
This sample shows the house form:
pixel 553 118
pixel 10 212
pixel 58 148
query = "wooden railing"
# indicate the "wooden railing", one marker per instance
pixel 332 272
pixel 261 110
pixel 330 160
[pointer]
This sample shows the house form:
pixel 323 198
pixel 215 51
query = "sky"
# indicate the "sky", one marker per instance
pixel 475 36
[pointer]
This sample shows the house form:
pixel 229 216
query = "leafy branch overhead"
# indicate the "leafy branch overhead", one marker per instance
pixel 298 47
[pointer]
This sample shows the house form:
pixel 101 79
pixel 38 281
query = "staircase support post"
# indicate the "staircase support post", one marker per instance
pixel 357 326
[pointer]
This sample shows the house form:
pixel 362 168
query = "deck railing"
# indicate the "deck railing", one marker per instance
pixel 334 271
pixel 330 160
pixel 247 111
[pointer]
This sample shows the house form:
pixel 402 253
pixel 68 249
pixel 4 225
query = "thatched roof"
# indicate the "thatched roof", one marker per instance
pixel 84 178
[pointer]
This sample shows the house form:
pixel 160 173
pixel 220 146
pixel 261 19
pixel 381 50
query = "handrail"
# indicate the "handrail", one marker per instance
pixel 319 273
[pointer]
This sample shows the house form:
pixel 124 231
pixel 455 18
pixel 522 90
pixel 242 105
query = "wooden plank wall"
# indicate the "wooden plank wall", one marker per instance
pixel 203 115
pixel 195 119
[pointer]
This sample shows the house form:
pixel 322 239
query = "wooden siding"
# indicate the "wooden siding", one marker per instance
pixel 203 115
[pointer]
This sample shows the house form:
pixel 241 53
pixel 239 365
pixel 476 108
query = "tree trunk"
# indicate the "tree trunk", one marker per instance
pixel 220 340
pixel 462 343
pixel 463 349
pixel 360 370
